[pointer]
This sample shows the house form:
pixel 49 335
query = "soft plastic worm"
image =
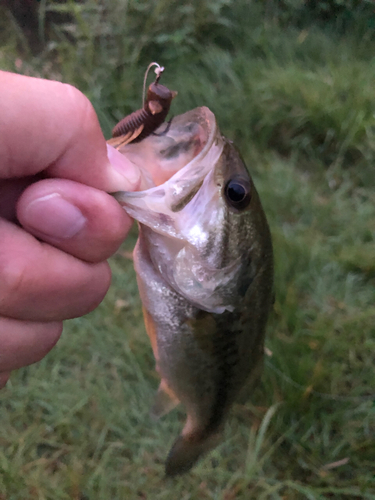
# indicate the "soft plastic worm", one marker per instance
pixel 143 122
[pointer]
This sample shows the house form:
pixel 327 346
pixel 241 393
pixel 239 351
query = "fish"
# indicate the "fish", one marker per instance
pixel 204 266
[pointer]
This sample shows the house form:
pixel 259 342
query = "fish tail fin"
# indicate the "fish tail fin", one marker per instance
pixel 187 450
pixel 165 401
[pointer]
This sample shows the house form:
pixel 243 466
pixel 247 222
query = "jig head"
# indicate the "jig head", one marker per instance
pixel 141 123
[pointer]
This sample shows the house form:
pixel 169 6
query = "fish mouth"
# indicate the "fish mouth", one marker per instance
pixel 180 154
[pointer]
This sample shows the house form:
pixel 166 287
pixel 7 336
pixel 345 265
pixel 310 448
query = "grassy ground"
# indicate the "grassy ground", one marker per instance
pixel 298 99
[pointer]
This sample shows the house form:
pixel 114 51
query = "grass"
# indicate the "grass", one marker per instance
pixel 297 97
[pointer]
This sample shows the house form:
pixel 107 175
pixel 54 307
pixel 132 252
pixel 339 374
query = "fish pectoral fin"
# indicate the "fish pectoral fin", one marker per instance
pixel 165 401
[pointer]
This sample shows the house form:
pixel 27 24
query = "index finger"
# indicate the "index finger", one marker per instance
pixel 51 126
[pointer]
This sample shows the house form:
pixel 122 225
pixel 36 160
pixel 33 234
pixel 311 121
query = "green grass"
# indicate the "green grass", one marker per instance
pixel 298 99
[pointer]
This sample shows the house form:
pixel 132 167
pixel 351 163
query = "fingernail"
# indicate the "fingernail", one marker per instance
pixel 125 167
pixel 55 217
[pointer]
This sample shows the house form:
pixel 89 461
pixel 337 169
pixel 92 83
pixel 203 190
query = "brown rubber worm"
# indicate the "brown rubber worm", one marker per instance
pixel 143 122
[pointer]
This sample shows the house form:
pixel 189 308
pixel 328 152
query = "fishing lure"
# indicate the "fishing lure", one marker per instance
pixel 143 122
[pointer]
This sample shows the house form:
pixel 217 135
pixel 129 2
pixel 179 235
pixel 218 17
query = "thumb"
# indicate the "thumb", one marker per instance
pixel 60 136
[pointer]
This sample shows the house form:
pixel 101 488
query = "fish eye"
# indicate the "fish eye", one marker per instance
pixel 238 193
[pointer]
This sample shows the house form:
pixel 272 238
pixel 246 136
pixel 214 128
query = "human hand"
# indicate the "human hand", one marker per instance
pixel 58 225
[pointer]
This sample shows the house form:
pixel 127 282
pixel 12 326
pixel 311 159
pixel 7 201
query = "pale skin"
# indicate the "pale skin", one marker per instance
pixel 58 224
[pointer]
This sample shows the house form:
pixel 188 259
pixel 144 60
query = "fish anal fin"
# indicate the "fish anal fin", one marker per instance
pixel 165 401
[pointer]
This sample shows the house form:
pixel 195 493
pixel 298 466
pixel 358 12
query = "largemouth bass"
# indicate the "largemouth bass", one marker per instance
pixel 204 267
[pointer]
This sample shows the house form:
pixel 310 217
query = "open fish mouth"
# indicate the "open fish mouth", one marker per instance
pixel 176 159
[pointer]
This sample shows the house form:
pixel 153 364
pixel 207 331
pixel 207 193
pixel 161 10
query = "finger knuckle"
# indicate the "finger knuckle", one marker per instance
pixel 13 281
pixel 83 109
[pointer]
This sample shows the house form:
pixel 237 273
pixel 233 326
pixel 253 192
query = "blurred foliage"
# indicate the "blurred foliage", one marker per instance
pixel 332 9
